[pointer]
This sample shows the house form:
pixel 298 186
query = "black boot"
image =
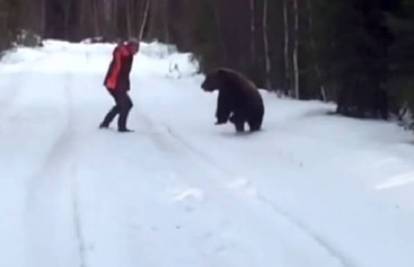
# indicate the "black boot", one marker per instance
pixel 109 118
pixel 103 126
pixel 125 130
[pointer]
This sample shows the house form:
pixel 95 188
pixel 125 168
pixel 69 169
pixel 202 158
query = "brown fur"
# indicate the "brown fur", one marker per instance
pixel 239 99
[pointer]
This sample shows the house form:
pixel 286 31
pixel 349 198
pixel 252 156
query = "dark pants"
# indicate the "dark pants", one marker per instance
pixel 123 105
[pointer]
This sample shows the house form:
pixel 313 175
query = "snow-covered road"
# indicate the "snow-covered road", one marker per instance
pixel 310 190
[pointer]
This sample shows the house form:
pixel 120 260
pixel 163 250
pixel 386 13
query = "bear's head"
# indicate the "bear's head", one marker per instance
pixel 214 80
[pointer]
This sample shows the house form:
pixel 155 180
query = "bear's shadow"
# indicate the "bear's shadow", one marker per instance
pixel 246 134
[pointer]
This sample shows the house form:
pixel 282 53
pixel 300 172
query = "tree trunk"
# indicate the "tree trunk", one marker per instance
pixel 268 65
pixel 286 46
pixel 223 47
pixel 43 17
pixel 66 14
pixel 114 20
pixel 96 22
pixel 318 71
pixel 144 19
pixel 295 50
pixel 166 18
pixel 128 17
pixel 252 32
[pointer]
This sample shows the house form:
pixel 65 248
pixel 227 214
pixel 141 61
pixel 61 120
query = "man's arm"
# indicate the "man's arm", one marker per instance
pixel 112 80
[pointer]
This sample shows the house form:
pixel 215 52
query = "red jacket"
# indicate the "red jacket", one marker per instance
pixel 117 77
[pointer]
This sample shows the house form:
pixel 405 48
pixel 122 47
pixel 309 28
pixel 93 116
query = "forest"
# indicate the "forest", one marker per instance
pixel 357 53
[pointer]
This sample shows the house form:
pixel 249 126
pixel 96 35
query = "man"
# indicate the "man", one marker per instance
pixel 117 83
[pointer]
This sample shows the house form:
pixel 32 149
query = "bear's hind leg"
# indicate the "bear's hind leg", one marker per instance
pixel 238 123
pixel 255 122
pixel 238 119
pixel 255 126
pixel 239 126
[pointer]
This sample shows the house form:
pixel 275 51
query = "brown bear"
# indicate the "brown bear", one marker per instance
pixel 239 99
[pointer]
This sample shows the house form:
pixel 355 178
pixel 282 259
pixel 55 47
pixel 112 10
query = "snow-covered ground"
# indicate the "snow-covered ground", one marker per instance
pixel 310 190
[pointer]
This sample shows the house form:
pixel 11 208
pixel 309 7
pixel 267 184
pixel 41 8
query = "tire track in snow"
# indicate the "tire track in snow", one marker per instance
pixel 61 164
pixel 78 225
pixel 76 213
pixel 322 242
pixel 306 230
pixel 66 144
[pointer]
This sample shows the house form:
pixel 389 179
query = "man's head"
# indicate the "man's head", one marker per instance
pixel 133 46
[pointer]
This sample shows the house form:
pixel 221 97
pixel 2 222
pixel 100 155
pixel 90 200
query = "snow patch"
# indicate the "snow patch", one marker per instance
pixel 397 181
pixel 193 194
pixel 243 186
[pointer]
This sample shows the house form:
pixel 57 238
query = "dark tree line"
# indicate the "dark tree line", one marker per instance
pixel 355 52
pixel 358 53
